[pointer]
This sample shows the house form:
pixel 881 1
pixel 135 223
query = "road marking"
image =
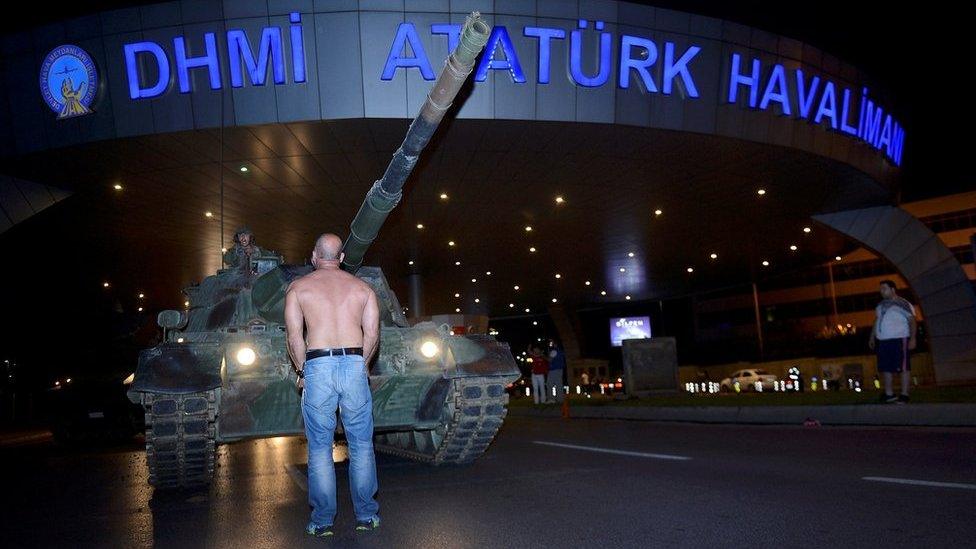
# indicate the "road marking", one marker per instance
pixel 297 476
pixel 921 482
pixel 611 451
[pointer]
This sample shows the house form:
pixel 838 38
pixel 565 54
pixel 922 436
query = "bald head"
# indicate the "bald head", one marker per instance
pixel 328 248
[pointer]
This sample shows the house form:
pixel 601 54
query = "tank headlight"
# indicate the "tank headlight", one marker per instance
pixel 246 356
pixel 429 349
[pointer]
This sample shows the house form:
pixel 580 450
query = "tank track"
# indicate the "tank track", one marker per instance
pixel 180 438
pixel 472 416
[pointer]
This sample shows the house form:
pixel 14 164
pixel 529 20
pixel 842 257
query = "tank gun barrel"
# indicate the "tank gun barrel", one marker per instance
pixel 386 192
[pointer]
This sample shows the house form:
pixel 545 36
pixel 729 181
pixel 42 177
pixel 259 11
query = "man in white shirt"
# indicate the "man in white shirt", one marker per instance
pixel 892 337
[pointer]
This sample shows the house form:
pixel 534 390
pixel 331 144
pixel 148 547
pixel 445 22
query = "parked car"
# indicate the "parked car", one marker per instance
pixel 747 380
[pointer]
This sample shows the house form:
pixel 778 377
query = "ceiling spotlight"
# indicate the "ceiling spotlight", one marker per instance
pixel 528 310
pixel 140 309
pixel 554 300
pixel 515 287
pixel 450 243
pixel 243 169
pixel 603 292
pixel 223 250
pixel 474 280
pixel 528 228
pixel 420 225
pixel 457 310
pixel 410 262
pixel 558 275
pixel 806 229
pixel 793 247
pixel 761 192
pixel 765 263
pixel 511 305
pixel 186 303
pixel 690 269
pixel 142 296
pixel 457 263
pixel 488 273
pixel 535 323
pixel 627 297
pixel 587 283
pixel 457 295
pixel 443 196
pixel 658 212
pixel 117 187
pixel 532 249
pixel 208 214
pixel 476 300
pixel 631 254
pixel 105 284
pixel 837 258
pixel 559 200
pixel 713 256
pixel 623 270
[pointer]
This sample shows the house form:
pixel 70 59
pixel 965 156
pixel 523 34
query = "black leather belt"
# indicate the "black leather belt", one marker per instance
pixel 319 353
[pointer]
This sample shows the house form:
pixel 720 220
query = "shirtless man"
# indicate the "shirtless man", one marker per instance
pixel 342 320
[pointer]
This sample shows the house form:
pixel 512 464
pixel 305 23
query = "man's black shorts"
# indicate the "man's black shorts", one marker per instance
pixel 893 355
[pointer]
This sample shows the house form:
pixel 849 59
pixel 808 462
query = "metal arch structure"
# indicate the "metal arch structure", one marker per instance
pixel 945 293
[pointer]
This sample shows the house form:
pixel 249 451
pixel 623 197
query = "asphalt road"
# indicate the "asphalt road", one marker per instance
pixel 543 483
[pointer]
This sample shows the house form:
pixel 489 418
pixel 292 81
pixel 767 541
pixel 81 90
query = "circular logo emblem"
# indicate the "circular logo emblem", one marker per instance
pixel 69 81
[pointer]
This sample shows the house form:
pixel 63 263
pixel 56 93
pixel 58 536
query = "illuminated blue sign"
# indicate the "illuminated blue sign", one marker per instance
pixel 240 55
pixel 817 100
pixel 664 67
pixel 69 81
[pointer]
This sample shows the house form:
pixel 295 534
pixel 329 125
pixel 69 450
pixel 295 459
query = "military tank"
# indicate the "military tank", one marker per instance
pixel 222 372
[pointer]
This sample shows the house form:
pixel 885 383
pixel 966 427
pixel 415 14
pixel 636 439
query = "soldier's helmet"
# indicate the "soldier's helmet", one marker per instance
pixel 242 231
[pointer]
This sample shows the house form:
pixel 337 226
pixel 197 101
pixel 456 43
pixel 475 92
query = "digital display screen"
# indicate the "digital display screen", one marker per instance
pixel 631 327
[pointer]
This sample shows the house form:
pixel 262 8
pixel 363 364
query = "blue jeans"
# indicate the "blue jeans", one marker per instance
pixel 331 382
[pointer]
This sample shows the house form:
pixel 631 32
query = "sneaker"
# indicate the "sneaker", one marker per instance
pixel 902 399
pixel 319 531
pixel 887 399
pixel 368 525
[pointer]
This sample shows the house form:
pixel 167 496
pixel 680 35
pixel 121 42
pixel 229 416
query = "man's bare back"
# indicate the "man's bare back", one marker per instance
pixel 333 304
pixel 336 309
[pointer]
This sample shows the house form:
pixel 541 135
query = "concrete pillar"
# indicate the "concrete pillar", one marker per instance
pixel 415 290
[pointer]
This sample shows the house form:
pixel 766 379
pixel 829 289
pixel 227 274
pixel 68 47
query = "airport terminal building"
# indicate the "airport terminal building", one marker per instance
pixel 605 151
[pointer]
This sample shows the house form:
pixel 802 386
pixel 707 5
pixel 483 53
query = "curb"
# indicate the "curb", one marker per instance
pixel 910 415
